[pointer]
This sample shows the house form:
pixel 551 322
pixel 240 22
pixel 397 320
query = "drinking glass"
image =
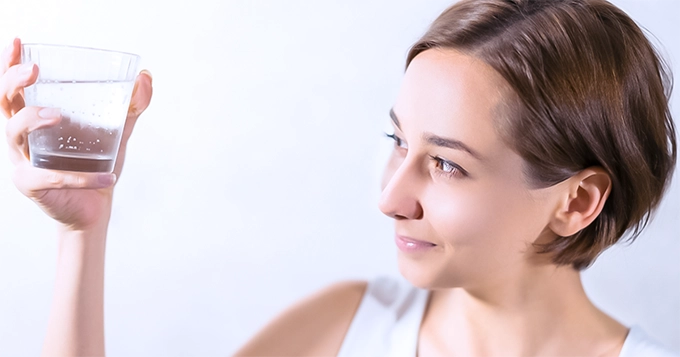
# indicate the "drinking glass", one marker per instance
pixel 92 87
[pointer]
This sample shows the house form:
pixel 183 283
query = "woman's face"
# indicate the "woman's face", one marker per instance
pixel 464 215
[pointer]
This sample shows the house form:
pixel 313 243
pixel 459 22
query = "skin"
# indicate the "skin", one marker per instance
pixel 492 293
pixel 451 182
pixel 79 202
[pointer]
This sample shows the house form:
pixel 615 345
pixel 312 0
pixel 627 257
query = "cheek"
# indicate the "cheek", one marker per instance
pixel 481 220
pixel 460 218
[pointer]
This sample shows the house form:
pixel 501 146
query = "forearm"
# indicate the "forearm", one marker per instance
pixel 76 322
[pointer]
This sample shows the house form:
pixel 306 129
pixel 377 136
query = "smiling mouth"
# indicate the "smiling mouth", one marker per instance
pixel 410 245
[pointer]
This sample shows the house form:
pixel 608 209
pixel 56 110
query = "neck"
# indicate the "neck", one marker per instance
pixel 543 311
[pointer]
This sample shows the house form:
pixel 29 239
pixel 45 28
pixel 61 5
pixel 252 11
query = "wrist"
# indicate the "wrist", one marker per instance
pixel 93 225
pixel 88 235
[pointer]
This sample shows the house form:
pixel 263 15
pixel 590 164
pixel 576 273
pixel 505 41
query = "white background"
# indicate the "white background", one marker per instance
pixel 253 178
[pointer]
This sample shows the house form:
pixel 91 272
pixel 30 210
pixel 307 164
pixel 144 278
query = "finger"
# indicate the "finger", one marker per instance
pixel 10 56
pixel 141 97
pixel 32 181
pixel 24 122
pixel 11 83
pixel 141 94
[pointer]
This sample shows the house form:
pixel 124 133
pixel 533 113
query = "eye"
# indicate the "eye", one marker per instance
pixel 448 168
pixel 398 142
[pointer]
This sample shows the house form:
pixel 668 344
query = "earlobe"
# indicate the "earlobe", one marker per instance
pixel 583 199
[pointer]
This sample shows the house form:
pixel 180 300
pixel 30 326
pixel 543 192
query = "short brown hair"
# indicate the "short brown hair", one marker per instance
pixel 590 90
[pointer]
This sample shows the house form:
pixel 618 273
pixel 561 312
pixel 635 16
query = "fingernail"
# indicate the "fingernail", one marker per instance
pixel 106 180
pixel 49 113
pixel 27 69
pixel 146 71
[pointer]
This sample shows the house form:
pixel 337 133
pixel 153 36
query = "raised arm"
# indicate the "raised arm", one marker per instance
pixel 79 202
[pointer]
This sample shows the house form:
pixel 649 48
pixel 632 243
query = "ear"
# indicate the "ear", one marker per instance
pixel 581 201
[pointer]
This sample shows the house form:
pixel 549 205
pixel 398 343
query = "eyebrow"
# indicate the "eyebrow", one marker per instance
pixel 450 143
pixel 436 140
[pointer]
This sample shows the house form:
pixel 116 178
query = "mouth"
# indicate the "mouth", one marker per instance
pixel 411 245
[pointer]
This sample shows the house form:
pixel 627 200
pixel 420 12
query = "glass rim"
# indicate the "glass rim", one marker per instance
pixel 81 48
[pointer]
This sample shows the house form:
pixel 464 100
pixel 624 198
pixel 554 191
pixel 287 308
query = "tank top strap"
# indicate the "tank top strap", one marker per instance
pixel 387 321
pixel 638 343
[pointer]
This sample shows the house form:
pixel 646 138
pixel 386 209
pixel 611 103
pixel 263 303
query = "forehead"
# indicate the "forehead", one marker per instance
pixel 451 94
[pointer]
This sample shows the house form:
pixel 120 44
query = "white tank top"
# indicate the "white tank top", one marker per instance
pixel 387 323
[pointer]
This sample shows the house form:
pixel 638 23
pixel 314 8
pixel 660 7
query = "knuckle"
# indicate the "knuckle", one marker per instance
pixel 23 180
pixel 19 122
pixel 79 181
pixel 11 83
pixel 55 178
pixel 6 81
pixel 6 106
pixel 12 70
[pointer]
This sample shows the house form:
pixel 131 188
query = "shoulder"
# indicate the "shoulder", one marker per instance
pixel 388 320
pixel 314 326
pixel 638 343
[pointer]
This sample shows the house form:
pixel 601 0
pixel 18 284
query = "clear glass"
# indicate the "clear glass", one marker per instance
pixel 92 87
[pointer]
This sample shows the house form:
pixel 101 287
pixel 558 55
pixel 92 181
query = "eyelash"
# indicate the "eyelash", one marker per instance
pixel 397 140
pixel 454 171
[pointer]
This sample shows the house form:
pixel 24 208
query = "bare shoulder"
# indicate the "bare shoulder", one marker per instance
pixel 315 326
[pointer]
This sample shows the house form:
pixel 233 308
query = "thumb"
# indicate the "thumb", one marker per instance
pixel 141 94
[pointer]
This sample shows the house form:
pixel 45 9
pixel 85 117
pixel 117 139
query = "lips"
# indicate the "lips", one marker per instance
pixel 410 245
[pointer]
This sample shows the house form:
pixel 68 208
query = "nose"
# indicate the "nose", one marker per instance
pixel 399 198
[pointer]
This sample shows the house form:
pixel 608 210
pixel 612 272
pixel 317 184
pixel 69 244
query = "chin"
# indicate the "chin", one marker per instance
pixel 426 275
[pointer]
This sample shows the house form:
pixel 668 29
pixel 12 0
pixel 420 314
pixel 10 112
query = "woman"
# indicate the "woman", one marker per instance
pixel 529 137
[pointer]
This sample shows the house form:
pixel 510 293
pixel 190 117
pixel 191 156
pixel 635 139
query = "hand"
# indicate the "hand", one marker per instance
pixel 78 200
